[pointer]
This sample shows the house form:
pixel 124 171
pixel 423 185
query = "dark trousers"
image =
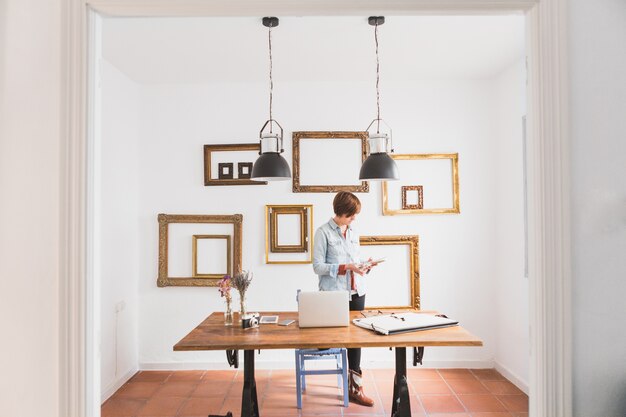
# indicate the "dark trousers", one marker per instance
pixel 354 354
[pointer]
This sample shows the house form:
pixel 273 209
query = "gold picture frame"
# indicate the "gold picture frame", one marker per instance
pixel 306 232
pixel 274 212
pixel 420 197
pixel 455 209
pixel 414 275
pixel 230 147
pixel 194 256
pixel 298 188
pixel 163 279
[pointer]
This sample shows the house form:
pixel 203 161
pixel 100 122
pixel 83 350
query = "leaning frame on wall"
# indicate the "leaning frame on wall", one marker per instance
pixel 414 262
pixel 548 177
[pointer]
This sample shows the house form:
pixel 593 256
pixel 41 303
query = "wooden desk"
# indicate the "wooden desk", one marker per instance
pixel 211 334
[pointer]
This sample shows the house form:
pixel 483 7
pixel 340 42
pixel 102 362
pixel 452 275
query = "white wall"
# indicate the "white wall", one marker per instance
pixel 457 252
pixel 30 170
pixel 512 351
pixel 598 131
pixel 119 238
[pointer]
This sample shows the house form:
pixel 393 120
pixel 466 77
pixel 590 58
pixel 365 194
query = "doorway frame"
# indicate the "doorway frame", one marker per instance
pixel 548 171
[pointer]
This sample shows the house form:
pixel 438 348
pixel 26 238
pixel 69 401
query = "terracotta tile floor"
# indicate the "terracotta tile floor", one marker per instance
pixel 434 392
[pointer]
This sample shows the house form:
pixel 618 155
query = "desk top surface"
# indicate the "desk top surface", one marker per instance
pixel 211 334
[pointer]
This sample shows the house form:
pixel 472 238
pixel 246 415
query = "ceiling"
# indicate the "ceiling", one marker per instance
pixel 312 49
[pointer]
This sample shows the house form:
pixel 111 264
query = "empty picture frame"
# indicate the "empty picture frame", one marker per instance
pixel 225 171
pixel 244 170
pixel 387 287
pixel 292 236
pixel 438 174
pixel 288 234
pixel 165 220
pixel 406 201
pixel 328 162
pixel 214 155
pixel 199 256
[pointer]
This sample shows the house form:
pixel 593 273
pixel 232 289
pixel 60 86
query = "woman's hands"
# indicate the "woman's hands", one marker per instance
pixel 357 268
pixel 362 268
pixel 371 264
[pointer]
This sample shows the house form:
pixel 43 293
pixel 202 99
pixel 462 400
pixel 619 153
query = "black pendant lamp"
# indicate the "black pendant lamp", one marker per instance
pixel 378 166
pixel 271 166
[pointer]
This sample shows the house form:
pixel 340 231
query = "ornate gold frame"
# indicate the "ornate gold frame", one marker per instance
pixel 163 280
pixel 208 149
pixel 413 242
pixel 297 188
pixel 420 197
pixel 283 208
pixel 274 246
pixel 194 256
pixel 455 185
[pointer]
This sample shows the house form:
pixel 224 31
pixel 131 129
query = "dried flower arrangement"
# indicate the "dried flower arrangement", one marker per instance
pixel 241 281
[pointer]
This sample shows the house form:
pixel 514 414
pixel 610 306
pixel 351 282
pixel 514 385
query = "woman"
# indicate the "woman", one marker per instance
pixel 336 262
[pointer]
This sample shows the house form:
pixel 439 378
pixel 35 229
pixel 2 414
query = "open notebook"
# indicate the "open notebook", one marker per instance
pixel 403 322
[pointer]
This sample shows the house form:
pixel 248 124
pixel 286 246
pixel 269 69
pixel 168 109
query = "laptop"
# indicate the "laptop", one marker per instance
pixel 324 309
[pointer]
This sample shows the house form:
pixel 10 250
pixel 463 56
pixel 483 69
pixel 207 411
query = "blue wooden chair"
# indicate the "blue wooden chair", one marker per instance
pixel 341 357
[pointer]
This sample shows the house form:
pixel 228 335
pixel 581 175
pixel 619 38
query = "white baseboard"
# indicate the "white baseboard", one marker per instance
pixel 260 364
pixel 515 380
pixel 117 384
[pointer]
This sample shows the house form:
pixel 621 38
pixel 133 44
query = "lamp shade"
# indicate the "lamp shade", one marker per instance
pixel 270 166
pixel 379 167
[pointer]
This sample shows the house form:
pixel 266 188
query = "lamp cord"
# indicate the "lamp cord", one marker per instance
pixel 377 80
pixel 271 80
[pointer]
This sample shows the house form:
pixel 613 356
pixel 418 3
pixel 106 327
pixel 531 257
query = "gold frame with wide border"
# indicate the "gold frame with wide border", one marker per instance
pixel 163 280
pixel 308 218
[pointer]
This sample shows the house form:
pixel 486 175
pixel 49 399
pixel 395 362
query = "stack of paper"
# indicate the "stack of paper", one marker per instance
pixel 403 322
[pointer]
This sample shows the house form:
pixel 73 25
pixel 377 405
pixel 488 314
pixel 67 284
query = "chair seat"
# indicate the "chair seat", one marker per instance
pixel 341 369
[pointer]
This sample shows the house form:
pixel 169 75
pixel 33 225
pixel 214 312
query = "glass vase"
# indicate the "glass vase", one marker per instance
pixel 242 306
pixel 228 314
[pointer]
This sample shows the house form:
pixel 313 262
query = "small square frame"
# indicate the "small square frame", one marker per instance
pixel 420 197
pixel 194 256
pixel 240 167
pixel 228 175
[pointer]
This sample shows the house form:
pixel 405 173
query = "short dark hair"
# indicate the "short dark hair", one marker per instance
pixel 346 204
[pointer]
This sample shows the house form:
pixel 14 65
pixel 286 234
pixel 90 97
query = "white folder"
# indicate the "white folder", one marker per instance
pixel 404 322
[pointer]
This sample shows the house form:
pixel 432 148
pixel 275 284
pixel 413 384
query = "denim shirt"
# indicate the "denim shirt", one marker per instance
pixel 330 250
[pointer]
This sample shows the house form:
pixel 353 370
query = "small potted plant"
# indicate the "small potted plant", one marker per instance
pixel 224 288
pixel 241 281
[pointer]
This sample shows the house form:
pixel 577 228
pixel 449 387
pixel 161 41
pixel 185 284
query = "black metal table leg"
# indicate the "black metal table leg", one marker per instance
pixel 249 402
pixel 401 406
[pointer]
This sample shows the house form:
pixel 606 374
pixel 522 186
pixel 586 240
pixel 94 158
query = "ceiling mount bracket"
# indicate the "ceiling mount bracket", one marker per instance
pixel 376 20
pixel 270 22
